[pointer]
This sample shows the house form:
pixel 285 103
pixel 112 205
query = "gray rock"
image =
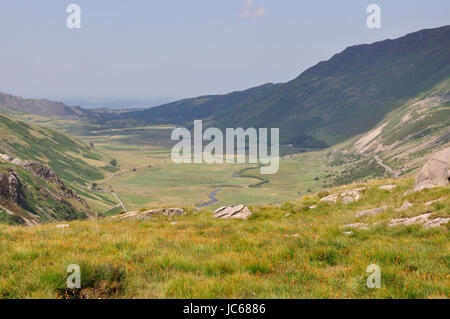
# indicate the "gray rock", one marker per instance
pixel 233 212
pixel 13 187
pixel 10 186
pixel 357 226
pixel 171 212
pixel 388 187
pixel 434 201
pixel 347 197
pixel 435 172
pixel 372 212
pixel 148 214
pixel 331 198
pixel 421 219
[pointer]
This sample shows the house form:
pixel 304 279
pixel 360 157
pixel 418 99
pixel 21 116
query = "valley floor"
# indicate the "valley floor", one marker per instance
pixel 282 251
pixel 148 177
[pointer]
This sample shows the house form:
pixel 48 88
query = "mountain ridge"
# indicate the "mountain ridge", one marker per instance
pixel 318 107
pixel 45 107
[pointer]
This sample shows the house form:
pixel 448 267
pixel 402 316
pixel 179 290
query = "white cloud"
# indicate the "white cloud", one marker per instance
pixel 249 10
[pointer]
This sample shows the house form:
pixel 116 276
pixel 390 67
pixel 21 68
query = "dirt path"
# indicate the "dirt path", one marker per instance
pixel 387 168
pixel 109 179
pixel 108 191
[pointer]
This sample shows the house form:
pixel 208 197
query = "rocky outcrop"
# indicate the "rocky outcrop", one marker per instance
pixel 148 214
pixel 233 212
pixel 38 196
pixel 423 219
pixel 10 186
pixel 435 172
pixel 46 173
pixel 406 205
pixel 435 201
pixel 346 197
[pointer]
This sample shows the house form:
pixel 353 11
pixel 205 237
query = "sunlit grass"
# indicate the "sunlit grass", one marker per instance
pixel 303 255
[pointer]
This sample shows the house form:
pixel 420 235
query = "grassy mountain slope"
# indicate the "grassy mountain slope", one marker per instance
pixel 75 163
pixel 328 103
pixel 406 136
pixel 31 200
pixel 285 251
pixel 72 160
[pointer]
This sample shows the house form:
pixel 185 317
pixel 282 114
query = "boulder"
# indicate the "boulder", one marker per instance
pixel 347 197
pixel 435 172
pixel 350 197
pixel 423 219
pixel 233 212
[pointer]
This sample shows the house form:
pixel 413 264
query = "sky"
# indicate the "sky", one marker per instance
pixel 179 48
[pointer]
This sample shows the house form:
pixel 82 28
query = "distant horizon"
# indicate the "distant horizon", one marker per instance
pixel 115 103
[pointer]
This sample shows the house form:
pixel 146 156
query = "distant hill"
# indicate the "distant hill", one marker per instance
pixel 44 107
pixel 115 103
pixel 328 103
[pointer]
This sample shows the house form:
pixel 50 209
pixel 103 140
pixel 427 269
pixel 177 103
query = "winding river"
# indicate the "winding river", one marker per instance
pixel 236 174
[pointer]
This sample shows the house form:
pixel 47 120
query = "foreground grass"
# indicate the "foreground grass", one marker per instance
pixel 285 251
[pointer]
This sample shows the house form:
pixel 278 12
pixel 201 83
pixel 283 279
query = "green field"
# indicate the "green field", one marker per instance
pixel 149 178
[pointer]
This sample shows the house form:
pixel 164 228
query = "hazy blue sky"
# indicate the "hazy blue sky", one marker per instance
pixel 181 48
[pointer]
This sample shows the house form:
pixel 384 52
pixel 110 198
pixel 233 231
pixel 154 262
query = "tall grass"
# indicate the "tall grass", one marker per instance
pixel 284 251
